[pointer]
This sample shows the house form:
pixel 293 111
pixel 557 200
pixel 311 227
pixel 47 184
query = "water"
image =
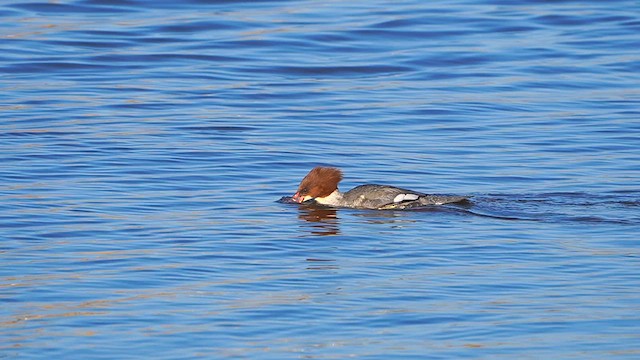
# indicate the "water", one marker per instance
pixel 144 145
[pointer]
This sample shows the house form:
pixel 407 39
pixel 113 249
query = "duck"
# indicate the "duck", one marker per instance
pixel 321 185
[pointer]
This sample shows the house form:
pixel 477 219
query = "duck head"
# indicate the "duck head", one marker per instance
pixel 319 182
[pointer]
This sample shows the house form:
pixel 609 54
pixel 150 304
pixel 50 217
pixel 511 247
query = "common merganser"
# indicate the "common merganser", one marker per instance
pixel 321 185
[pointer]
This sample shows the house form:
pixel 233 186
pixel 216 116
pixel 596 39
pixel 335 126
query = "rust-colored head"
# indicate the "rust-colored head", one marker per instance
pixel 319 182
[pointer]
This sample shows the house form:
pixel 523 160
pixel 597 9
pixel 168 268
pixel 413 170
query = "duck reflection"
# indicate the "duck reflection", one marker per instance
pixel 324 220
pixel 322 264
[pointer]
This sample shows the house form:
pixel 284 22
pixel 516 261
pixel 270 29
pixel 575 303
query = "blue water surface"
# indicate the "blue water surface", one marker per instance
pixel 143 146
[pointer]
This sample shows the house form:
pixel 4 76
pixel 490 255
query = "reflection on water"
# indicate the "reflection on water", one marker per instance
pixel 322 264
pixel 324 221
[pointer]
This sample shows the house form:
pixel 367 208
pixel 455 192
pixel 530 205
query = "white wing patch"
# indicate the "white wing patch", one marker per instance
pixel 405 197
pixel 411 197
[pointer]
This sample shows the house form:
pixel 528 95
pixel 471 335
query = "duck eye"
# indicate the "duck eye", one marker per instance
pixel 304 190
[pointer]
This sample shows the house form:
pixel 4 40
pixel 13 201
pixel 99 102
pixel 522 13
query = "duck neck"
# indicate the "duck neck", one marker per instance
pixel 333 199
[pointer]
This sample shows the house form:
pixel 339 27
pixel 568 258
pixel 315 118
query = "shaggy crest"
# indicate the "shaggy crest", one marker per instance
pixel 320 182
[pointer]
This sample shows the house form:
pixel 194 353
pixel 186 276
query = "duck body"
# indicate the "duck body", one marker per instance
pixel 373 196
pixel 321 185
